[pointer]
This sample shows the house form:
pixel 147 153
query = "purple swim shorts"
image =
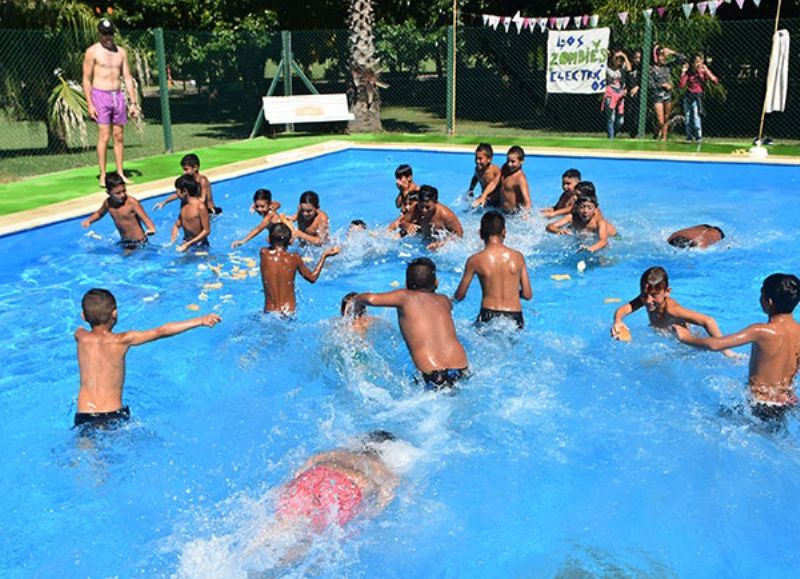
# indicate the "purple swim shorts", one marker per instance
pixel 110 106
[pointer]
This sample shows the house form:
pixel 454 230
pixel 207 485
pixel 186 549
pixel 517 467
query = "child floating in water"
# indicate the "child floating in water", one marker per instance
pixel 191 167
pixel 355 313
pixel 488 175
pixel 515 194
pixel 775 352
pixel 501 271
pixel 426 322
pixel 279 267
pixel 585 218
pixel 663 311
pixel 127 213
pixel 433 221
pixel 193 218
pixel 266 208
pixel 569 180
pixel 101 357
pixel 312 223
pixel 697 236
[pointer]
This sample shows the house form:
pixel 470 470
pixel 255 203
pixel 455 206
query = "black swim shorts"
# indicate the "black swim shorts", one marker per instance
pixel 770 412
pixel 440 379
pixel 101 420
pixel 487 315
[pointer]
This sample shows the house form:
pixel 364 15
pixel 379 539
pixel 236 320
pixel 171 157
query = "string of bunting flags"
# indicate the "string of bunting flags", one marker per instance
pixel 531 23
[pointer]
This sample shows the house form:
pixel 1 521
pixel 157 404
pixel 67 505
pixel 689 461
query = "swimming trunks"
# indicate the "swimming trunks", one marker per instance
pixel 771 412
pixel 323 495
pixel 202 245
pixel 101 420
pixel 487 315
pixel 110 107
pixel 133 243
pixel 440 379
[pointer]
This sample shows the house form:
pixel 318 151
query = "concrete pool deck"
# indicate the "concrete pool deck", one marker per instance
pixel 85 205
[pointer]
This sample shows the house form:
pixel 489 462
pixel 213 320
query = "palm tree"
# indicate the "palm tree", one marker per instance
pixel 365 102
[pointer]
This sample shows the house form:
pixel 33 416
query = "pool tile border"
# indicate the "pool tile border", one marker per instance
pixel 33 218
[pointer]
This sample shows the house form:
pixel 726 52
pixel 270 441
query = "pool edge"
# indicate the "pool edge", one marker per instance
pixel 73 208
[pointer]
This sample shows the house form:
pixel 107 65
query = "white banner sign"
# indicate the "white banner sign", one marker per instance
pixel 576 61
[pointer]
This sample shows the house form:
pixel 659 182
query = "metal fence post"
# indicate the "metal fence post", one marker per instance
pixel 288 58
pixel 644 78
pixel 163 89
pixel 451 80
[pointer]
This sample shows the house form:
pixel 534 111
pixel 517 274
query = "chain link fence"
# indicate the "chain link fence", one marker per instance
pixel 215 82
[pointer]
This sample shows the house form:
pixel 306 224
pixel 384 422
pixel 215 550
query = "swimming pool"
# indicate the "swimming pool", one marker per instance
pixel 566 454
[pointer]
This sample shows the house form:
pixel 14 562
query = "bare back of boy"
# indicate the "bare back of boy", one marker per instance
pixel 514 191
pixel 774 361
pixel 278 271
pixel 194 218
pixel 502 273
pixel 101 359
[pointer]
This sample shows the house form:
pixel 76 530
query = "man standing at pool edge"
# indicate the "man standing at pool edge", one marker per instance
pixel 103 65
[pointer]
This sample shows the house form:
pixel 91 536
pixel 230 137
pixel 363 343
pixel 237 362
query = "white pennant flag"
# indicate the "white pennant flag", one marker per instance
pixel 712 7
pixel 593 20
pixel 494 21
pixel 576 20
pixel 687 8
pixel 485 19
pixel 542 24
pixel 517 20
pixel 506 22
pixel 623 16
pixel 757 3
pixel 648 14
pixel 565 22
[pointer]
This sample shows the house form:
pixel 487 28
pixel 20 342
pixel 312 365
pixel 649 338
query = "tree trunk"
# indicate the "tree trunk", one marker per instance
pixel 365 102
pixel 56 142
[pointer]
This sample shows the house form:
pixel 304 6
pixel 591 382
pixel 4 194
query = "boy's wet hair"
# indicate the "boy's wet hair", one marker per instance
pixel 403 171
pixel 262 195
pixel 189 184
pixel 584 197
pixel 113 180
pixel 421 274
pixel 572 174
pixel 428 192
pixel 492 223
pixel 654 279
pixel 98 306
pixel 360 223
pixel 358 309
pixel 378 436
pixel 486 149
pixel 586 188
pixel 190 160
pixel 783 290
pixel 518 151
pixel 280 235
pixel 311 198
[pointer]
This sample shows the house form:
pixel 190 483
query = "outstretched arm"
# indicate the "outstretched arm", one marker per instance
pixel 160 205
pixel 698 319
pixel 137 338
pixel 253 232
pixel 621 313
pixel 96 215
pixel 466 279
pixel 392 299
pixel 750 334
pixel 312 276
pixel 560 227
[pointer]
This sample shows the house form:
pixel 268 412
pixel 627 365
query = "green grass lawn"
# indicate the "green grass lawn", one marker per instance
pixel 212 143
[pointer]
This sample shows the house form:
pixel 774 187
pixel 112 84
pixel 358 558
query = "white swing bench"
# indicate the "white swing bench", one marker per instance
pixel 311 108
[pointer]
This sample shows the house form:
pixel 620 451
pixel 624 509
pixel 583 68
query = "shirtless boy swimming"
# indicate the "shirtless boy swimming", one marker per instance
pixel 355 313
pixel 501 272
pixel 101 357
pixel 404 179
pixel 426 322
pixel 663 311
pixel 127 213
pixel 585 218
pixel 264 207
pixel 312 223
pixel 775 353
pixel 190 164
pixel 279 267
pixel 515 194
pixel 488 175
pixel 569 181
pixel 404 222
pixel 697 236
pixel 193 218
pixel 433 221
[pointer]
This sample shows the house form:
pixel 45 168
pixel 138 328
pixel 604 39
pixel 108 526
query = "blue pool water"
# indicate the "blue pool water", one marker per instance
pixel 565 455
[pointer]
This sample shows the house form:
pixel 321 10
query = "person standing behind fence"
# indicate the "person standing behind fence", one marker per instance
pixel 632 99
pixel 614 99
pixel 694 76
pixel 103 64
pixel 661 88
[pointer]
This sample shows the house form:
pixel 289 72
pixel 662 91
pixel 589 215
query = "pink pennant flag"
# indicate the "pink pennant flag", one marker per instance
pixel 576 20
pixel 701 7
pixel 688 7
pixel 660 10
pixel 585 20
pixel 623 16
pixel 485 19
pixel 552 21
pixel 526 23
pixel 740 3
